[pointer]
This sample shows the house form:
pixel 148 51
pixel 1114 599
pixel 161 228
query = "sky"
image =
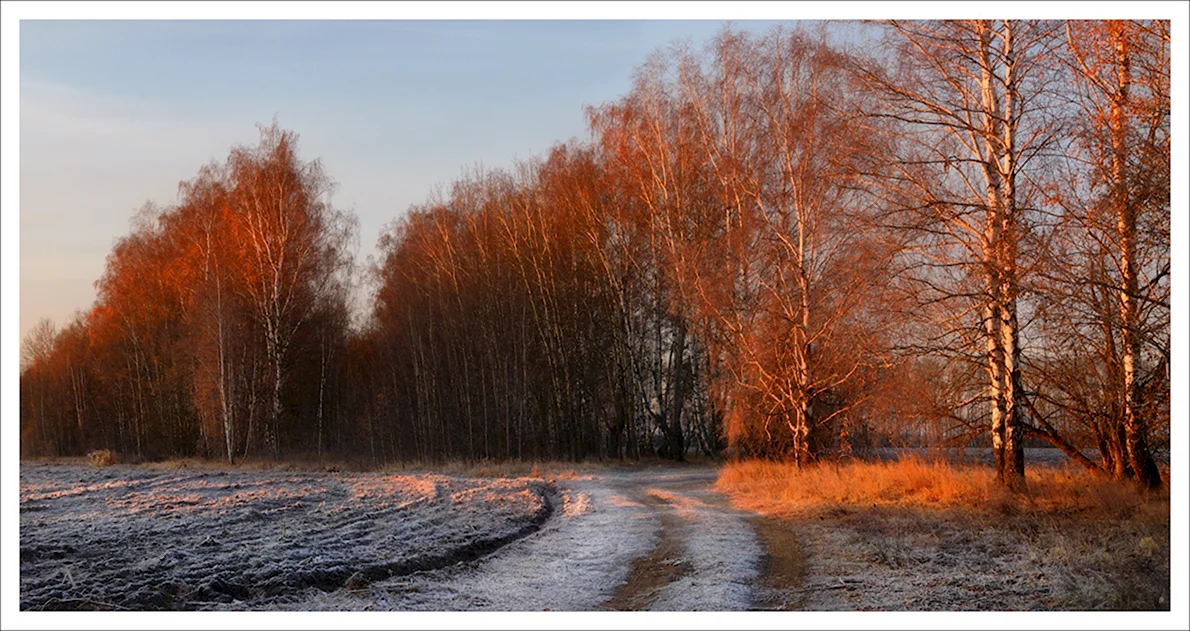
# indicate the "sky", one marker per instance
pixel 117 113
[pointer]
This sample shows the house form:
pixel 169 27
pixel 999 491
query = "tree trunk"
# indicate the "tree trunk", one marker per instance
pixel 273 437
pixel 321 389
pixel 998 165
pixel 1014 437
pixel 225 405
pixel 1135 439
pixel 676 439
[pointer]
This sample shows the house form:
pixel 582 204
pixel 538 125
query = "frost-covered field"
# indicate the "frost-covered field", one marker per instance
pixel 135 538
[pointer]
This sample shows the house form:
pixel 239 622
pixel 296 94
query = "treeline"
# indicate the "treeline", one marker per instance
pixel 770 246
pixel 216 326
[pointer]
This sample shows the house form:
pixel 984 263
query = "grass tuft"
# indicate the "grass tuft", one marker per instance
pixel 102 458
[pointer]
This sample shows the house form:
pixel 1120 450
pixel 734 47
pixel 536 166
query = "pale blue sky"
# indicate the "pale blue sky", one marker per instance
pixel 114 113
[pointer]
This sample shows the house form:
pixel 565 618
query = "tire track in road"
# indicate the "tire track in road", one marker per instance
pixel 783 567
pixel 708 555
pixel 663 565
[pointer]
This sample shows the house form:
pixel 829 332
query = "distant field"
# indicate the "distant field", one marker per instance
pixel 1034 456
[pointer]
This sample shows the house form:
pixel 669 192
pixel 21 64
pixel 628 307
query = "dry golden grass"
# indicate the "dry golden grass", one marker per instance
pixel 101 458
pixel 556 470
pixel 253 464
pixel 544 469
pixel 1085 541
pixel 309 462
pixel 782 489
pixel 57 459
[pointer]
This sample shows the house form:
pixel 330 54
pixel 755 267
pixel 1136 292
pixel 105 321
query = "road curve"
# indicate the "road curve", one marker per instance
pixel 640 538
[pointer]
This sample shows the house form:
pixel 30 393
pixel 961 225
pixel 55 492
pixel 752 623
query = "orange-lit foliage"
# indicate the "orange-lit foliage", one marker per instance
pixel 191 341
pixel 770 244
pixel 749 187
pixel 1106 302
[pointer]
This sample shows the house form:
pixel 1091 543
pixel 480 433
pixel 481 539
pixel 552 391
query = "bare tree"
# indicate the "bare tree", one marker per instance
pixel 294 247
pixel 1108 295
pixel 969 99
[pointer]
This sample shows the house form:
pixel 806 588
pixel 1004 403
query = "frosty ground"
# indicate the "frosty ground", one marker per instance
pixel 607 538
pixel 126 537
pixel 136 538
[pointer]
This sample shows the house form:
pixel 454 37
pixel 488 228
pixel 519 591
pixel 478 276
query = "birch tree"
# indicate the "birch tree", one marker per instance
pixel 1109 291
pixel 213 312
pixel 969 97
pixel 294 248
pixel 746 172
